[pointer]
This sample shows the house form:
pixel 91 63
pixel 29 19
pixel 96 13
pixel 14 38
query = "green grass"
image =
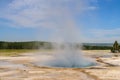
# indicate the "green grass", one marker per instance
pixel 14 52
pixel 17 52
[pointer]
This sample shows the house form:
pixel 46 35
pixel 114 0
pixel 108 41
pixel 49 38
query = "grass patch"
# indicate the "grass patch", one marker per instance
pixel 14 52
pixel 17 52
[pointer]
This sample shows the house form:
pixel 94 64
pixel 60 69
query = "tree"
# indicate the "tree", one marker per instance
pixel 115 48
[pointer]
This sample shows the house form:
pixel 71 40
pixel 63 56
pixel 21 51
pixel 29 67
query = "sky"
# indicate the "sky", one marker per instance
pixel 29 20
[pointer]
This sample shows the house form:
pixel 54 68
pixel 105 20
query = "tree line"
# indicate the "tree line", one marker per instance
pixel 44 45
pixel 88 47
pixel 25 45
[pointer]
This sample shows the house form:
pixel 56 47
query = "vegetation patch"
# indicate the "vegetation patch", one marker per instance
pixel 14 52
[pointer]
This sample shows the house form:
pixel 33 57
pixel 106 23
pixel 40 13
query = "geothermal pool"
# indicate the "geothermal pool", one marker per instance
pixel 64 60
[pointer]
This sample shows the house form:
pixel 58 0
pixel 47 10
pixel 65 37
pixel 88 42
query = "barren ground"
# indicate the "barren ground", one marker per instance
pixel 21 68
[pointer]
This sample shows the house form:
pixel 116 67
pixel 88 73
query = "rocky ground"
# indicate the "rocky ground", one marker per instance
pixel 22 68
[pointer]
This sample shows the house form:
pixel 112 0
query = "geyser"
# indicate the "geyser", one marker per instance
pixel 66 55
pixel 69 57
pixel 62 17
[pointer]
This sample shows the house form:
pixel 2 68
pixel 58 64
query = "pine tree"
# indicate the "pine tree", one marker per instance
pixel 115 47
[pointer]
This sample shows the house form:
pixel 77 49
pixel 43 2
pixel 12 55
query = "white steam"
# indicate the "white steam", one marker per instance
pixel 58 15
pixel 66 35
pixel 67 58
